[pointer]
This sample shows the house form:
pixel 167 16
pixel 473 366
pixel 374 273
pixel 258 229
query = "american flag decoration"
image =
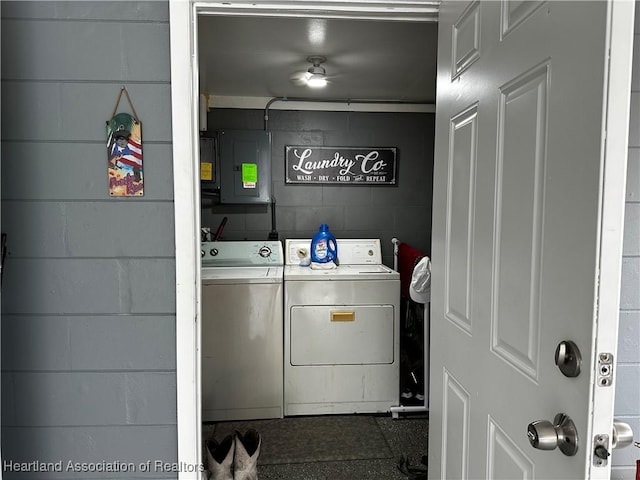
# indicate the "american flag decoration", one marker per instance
pixel 124 148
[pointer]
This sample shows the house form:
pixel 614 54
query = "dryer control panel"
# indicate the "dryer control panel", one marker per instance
pixel 351 251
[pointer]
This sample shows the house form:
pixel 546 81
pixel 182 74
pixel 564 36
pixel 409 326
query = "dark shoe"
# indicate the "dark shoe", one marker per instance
pixel 406 394
pixel 413 473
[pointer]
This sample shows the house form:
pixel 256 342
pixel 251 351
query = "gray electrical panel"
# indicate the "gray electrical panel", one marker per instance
pixel 245 166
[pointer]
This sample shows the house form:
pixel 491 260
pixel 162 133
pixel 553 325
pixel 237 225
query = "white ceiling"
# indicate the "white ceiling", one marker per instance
pixel 366 59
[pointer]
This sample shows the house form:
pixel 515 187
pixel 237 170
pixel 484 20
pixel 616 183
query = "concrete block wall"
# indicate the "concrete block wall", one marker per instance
pixel 627 406
pixel 352 211
pixel 88 294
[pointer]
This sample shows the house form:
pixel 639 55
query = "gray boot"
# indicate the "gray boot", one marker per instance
pixel 220 458
pixel 247 452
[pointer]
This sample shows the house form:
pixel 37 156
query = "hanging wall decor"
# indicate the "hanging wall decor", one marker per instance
pixel 124 150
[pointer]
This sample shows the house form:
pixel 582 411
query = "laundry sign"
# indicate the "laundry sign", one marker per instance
pixel 340 165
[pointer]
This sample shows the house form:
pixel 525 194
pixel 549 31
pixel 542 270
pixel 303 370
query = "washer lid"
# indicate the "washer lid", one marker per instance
pixel 226 275
pixel 342 272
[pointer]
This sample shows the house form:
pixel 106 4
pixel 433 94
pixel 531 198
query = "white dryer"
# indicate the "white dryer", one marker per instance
pixel 341 331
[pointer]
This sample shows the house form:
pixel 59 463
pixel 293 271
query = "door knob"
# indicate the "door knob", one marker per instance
pixel 562 433
pixel 622 435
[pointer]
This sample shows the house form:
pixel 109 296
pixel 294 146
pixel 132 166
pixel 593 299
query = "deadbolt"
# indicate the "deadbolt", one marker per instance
pixel 568 358
pixel 562 433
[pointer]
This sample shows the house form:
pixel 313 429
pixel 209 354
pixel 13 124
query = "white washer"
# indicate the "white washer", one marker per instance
pixel 242 331
pixel 341 332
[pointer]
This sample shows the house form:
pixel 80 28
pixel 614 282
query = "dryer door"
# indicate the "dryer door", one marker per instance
pixel 342 335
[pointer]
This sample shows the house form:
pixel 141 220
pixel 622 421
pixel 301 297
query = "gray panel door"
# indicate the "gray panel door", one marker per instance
pixel 519 249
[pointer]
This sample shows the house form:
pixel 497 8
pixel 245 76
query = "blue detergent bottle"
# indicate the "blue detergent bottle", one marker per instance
pixel 324 248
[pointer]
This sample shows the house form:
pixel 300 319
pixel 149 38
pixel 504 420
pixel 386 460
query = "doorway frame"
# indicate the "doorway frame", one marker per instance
pixel 183 16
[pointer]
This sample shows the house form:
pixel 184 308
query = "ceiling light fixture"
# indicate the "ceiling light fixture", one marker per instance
pixel 317 74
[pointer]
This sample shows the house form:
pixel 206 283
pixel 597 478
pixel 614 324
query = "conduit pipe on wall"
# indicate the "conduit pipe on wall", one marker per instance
pixel 347 101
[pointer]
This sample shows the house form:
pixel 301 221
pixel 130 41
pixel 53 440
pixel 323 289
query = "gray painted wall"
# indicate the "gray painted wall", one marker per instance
pixel 88 302
pixel 627 407
pixel 356 211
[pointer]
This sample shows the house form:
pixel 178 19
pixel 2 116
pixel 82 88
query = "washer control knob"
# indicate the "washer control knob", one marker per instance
pixel 213 252
pixel 202 253
pixel 264 251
